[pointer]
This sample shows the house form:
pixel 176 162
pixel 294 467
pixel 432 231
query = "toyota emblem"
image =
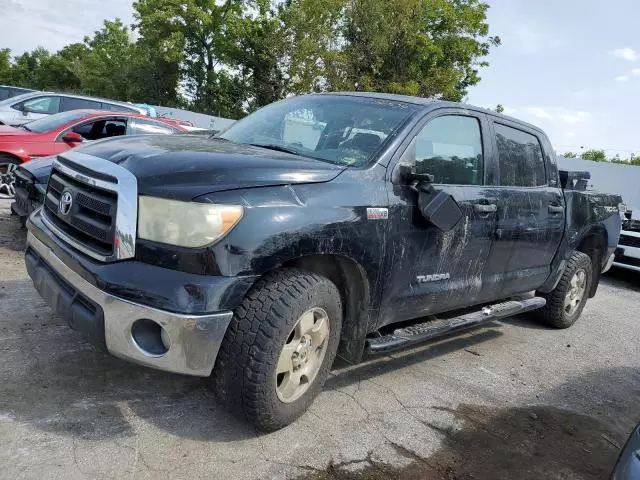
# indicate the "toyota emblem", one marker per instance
pixel 66 201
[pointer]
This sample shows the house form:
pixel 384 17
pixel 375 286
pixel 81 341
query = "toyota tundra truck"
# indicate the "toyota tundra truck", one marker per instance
pixel 324 225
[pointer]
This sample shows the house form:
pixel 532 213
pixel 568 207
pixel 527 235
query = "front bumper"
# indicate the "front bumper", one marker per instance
pixel 25 202
pixel 193 340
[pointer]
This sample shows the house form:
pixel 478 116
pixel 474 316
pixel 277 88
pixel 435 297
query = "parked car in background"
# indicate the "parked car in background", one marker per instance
pixel 628 252
pixel 32 106
pixel 8 91
pixel 60 132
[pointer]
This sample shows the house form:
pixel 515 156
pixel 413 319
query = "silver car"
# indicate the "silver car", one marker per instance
pixel 31 106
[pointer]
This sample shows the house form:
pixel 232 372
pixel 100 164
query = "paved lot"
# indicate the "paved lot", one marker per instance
pixel 513 400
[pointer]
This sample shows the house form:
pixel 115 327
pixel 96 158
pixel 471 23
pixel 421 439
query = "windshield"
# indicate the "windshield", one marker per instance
pixel 341 129
pixel 51 122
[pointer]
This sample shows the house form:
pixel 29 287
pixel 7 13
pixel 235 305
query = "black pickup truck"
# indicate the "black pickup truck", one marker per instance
pixel 328 224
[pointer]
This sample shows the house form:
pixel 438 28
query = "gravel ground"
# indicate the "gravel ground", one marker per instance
pixel 512 400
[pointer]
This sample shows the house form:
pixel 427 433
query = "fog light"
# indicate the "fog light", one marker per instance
pixel 150 337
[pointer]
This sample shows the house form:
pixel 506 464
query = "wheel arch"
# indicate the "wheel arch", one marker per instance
pixel 351 279
pixel 594 244
pixel 11 156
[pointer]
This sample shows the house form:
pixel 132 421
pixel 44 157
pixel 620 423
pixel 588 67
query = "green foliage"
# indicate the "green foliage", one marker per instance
pixel 427 48
pixel 600 156
pixel 499 108
pixel 594 155
pixel 230 57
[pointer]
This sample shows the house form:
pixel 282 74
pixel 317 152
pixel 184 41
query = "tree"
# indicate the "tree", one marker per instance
pixel 6 74
pixel 595 155
pixel 259 55
pixel 499 108
pixel 108 61
pixel 201 35
pixel 428 48
pixel 570 155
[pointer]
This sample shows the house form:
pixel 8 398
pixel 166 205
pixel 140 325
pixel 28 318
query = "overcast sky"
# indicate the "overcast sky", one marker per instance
pixel 570 66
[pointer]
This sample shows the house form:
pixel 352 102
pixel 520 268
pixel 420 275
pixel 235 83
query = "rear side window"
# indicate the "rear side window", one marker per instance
pixel 145 127
pixel 450 149
pixel 520 158
pixel 5 93
pixel 118 108
pixel 70 103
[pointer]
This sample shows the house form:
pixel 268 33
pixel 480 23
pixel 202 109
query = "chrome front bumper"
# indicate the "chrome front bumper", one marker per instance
pixel 193 340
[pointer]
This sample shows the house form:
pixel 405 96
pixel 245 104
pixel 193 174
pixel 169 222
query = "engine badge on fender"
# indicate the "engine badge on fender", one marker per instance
pixel 377 213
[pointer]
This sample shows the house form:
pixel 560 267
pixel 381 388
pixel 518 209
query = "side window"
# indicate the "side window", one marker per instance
pixel 520 158
pixel 146 127
pixel 70 103
pixel 5 92
pixel 450 149
pixel 117 108
pixel 101 128
pixel 44 105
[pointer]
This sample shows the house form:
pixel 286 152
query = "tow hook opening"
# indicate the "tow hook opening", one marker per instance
pixel 150 337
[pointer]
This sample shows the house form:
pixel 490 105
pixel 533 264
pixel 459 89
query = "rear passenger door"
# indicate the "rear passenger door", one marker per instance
pixel 530 217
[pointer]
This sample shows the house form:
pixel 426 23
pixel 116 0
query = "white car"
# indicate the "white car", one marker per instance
pixel 31 106
pixel 628 252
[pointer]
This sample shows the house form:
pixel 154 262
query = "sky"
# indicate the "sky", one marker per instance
pixel 572 67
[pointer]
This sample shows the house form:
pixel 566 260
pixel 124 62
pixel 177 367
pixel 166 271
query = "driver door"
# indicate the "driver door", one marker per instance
pixel 429 270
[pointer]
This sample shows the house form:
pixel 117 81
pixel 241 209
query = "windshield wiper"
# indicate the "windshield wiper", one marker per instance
pixel 26 128
pixel 273 146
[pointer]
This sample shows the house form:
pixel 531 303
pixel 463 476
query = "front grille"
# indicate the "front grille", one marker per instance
pixel 631 225
pixel 92 216
pixel 629 241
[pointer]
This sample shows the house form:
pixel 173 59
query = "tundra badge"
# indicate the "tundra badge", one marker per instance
pixel 434 277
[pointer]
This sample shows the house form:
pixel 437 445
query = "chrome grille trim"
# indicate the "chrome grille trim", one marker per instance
pixel 126 189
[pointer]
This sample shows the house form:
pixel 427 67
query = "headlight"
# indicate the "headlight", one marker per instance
pixel 186 224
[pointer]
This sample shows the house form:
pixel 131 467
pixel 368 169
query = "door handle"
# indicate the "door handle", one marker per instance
pixel 484 208
pixel 556 209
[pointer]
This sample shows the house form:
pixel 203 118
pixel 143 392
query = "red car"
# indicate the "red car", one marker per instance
pixel 57 133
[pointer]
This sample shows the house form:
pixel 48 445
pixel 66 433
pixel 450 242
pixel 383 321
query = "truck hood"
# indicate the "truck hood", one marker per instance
pixel 187 166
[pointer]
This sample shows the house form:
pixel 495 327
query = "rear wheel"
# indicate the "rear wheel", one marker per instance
pixel 279 347
pixel 566 302
pixel 8 165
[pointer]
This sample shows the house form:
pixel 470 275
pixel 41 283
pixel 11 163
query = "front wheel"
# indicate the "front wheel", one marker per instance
pixel 279 347
pixel 566 302
pixel 8 165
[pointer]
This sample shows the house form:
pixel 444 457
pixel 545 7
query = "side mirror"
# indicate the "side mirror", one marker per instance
pixel 25 111
pixel 72 137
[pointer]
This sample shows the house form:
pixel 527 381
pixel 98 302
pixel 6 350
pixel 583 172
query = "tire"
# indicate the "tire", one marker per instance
pixel 556 312
pixel 8 164
pixel 265 328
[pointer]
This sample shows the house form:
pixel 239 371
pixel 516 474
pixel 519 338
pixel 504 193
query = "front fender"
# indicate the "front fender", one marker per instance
pixel 282 224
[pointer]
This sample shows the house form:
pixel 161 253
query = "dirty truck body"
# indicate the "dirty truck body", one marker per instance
pixel 256 265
